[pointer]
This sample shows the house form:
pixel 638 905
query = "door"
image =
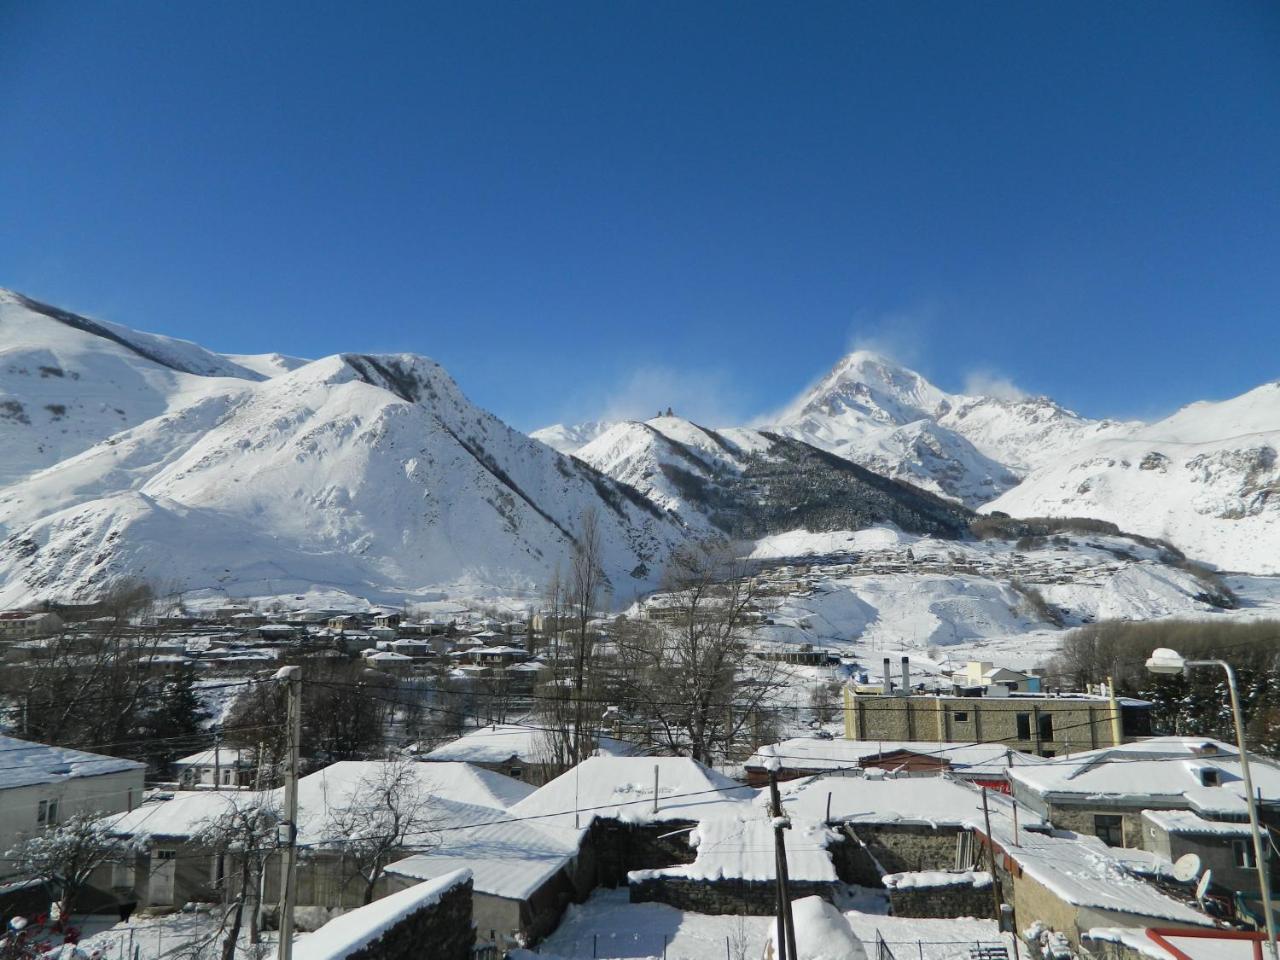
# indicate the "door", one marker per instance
pixel 164 869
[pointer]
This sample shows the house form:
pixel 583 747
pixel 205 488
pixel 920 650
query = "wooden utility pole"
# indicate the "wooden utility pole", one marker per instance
pixel 292 676
pixel 786 923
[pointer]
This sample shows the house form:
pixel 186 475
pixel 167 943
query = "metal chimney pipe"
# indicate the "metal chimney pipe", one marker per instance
pixel 888 678
pixel 906 676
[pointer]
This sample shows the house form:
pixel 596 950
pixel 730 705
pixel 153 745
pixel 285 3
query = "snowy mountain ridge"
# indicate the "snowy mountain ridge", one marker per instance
pixel 142 456
pixel 1206 478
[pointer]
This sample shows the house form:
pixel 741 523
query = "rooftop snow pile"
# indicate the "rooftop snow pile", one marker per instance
pixel 353 931
pixel 822 933
pixel 936 878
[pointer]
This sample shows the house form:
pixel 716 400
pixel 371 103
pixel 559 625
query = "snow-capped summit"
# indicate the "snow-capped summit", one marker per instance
pixel 891 419
pixel 864 389
pixel 571 437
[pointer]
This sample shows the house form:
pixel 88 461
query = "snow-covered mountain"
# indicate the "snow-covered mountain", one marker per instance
pixel 892 420
pixel 139 455
pixel 1206 478
pixel 748 483
pixel 570 438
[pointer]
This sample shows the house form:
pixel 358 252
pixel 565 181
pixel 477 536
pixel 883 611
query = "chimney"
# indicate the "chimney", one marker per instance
pixel 906 676
pixel 888 678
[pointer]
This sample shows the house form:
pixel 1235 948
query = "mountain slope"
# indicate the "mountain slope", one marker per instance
pixel 67 382
pixel 1206 478
pixel 370 474
pixel 749 483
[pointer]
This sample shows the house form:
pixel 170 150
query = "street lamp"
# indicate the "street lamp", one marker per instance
pixel 1164 660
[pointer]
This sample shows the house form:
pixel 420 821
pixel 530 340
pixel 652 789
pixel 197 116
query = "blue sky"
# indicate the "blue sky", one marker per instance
pixel 603 207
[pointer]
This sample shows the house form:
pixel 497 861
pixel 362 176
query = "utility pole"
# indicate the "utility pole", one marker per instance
pixel 292 676
pixel 786 923
pixel 991 857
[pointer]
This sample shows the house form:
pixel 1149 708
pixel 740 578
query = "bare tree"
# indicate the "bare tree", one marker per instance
pixel 93 682
pixel 241 837
pixel 690 675
pixel 70 851
pixel 387 815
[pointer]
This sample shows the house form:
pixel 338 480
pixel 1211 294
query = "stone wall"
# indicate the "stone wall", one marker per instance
pixel 943 902
pixel 617 848
pixel 757 898
pixel 1080 820
pixel 443 926
pixel 908 848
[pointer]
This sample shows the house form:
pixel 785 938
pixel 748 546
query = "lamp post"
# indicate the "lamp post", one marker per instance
pixel 1164 660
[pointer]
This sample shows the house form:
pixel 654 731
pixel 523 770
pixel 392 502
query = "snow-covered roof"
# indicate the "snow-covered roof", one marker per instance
pixel 1171 768
pixel 810 753
pixel 939 801
pixel 509 860
pixel 357 929
pixel 1080 870
pixel 25 763
pixel 740 846
pixel 1186 822
pixel 621 788
pixel 460 795
pixel 220 756
pixel 500 742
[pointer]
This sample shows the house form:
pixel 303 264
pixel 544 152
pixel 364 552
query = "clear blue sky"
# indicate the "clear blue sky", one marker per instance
pixel 581 207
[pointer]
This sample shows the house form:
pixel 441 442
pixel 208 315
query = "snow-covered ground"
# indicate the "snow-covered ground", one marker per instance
pixel 608 925
pixel 879 591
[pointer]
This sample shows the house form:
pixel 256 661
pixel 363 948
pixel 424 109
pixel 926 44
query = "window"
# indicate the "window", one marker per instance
pixel 1243 852
pixel 1109 828
pixel 1046 726
pixel 47 812
pixel 122 874
pixel 1209 776
pixel 226 776
pixel 1048 754
pixel 1024 726
pixel 166 854
pixel 961 716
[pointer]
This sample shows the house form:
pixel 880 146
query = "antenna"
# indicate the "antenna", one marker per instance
pixel 1203 886
pixel 1186 868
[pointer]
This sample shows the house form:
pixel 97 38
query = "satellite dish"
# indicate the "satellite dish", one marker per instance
pixel 1203 886
pixel 1186 868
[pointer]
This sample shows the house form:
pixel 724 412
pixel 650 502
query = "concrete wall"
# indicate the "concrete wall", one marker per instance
pixel 105 794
